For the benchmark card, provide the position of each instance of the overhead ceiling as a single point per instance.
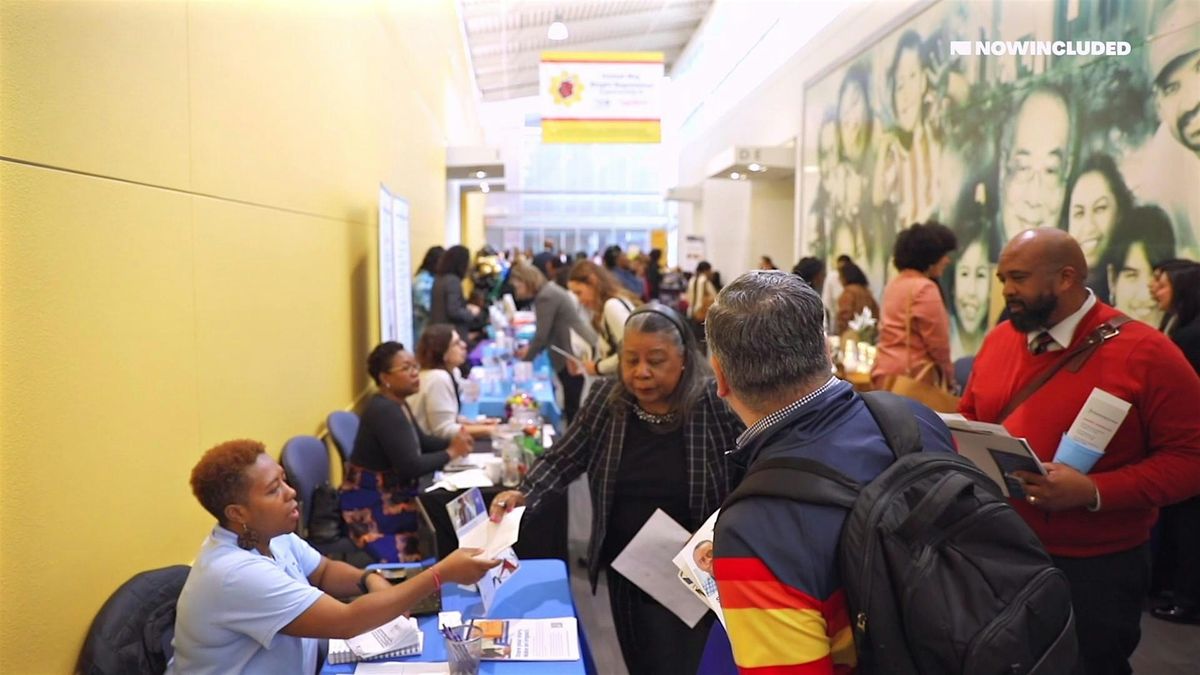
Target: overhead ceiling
(507, 37)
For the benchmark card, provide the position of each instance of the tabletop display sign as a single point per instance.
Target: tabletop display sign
(601, 97)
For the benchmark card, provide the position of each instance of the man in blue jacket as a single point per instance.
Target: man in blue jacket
(776, 560)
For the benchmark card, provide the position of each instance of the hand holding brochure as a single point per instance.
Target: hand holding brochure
(1093, 429)
(695, 563)
(475, 530)
(994, 451)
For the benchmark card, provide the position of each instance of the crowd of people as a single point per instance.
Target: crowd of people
(688, 396)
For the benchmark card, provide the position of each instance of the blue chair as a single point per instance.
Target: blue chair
(962, 370)
(343, 428)
(305, 459)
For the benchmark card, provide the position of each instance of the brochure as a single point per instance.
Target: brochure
(996, 452)
(399, 637)
(530, 639)
(475, 530)
(695, 563)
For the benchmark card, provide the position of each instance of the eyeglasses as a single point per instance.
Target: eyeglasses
(410, 367)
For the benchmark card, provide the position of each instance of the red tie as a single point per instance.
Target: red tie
(1041, 343)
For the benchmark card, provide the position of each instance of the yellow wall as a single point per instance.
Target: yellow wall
(187, 255)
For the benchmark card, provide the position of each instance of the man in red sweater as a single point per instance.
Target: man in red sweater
(1095, 525)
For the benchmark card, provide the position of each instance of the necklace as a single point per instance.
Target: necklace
(651, 418)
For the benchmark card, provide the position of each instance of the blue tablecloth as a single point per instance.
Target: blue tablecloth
(539, 590)
(492, 403)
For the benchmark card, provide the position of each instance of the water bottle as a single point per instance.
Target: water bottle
(512, 456)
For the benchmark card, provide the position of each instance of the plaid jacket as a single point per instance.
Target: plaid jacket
(593, 443)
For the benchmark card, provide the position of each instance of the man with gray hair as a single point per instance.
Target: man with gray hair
(782, 595)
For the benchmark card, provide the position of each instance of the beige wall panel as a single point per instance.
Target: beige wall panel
(98, 400)
(97, 87)
(281, 316)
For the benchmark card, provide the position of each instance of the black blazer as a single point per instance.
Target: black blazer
(447, 305)
(1188, 339)
(593, 443)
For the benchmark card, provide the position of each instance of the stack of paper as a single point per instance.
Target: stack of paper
(399, 637)
(994, 451)
(695, 564)
(530, 639)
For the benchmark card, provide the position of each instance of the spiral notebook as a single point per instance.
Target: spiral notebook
(340, 652)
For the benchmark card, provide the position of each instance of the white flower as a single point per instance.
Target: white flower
(863, 320)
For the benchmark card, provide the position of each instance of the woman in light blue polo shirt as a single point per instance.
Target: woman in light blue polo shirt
(256, 598)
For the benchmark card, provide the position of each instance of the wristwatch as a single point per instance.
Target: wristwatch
(362, 581)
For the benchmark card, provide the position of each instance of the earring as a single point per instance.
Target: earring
(248, 539)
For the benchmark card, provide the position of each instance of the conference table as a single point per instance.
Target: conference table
(538, 590)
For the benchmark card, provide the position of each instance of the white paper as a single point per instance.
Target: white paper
(496, 577)
(990, 445)
(402, 668)
(646, 563)
(694, 562)
(530, 639)
(1098, 421)
(470, 478)
(568, 356)
(396, 634)
(450, 619)
(475, 530)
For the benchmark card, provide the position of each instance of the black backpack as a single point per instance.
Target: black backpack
(941, 574)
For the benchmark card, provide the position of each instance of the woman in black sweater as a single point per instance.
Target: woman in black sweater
(391, 454)
(1176, 287)
(447, 302)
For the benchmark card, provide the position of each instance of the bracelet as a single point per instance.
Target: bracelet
(362, 581)
(437, 578)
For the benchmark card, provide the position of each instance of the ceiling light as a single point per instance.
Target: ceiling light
(756, 167)
(735, 175)
(483, 187)
(481, 174)
(558, 29)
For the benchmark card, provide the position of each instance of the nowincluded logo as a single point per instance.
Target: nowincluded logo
(1040, 48)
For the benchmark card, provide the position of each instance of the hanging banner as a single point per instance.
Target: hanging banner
(601, 97)
(395, 270)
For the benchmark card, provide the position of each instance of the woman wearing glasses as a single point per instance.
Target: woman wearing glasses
(391, 454)
(440, 352)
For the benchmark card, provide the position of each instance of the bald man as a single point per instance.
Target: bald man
(1034, 374)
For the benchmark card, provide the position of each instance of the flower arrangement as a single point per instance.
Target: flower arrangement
(865, 326)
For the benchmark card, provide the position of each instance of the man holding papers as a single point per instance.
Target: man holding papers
(1109, 406)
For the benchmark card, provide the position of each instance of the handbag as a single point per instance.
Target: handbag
(927, 386)
(934, 396)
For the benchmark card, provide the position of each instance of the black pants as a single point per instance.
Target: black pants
(572, 389)
(1107, 592)
(1177, 561)
(653, 640)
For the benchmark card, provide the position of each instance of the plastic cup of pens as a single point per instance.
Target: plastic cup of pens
(464, 648)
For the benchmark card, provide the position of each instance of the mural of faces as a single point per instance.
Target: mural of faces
(1105, 147)
(972, 288)
(1178, 100)
(1130, 286)
(1092, 214)
(853, 120)
(1034, 170)
(909, 91)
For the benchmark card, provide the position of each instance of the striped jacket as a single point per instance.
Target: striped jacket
(593, 443)
(776, 561)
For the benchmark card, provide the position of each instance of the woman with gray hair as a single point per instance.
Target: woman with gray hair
(653, 438)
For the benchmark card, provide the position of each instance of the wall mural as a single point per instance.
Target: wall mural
(1106, 147)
